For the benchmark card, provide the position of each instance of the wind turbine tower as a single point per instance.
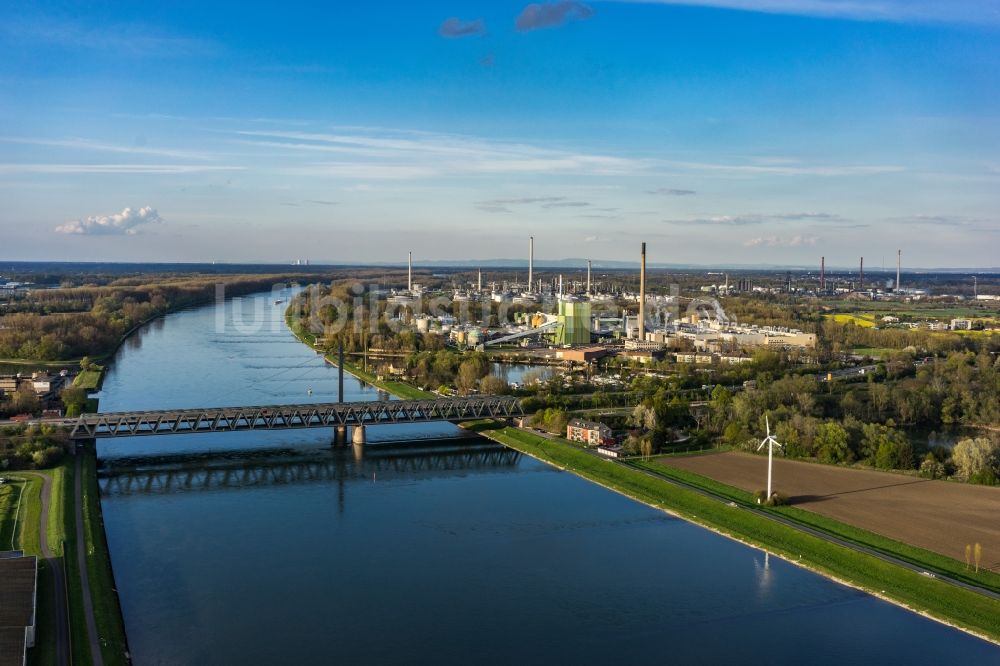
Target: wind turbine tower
(770, 442)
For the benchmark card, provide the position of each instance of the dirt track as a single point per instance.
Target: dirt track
(941, 516)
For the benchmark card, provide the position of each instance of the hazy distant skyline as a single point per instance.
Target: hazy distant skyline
(719, 131)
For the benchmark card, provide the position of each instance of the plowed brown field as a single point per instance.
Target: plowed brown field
(941, 516)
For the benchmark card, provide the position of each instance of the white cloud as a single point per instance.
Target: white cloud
(125, 223)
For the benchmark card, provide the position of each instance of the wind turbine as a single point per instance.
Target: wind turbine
(770, 442)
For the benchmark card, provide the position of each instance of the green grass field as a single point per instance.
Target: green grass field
(89, 379)
(958, 606)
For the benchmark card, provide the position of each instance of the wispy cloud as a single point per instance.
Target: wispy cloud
(407, 153)
(125, 223)
(821, 170)
(671, 192)
(132, 39)
(525, 200)
(566, 204)
(778, 241)
(900, 11)
(748, 219)
(551, 14)
(113, 168)
(98, 146)
(455, 27)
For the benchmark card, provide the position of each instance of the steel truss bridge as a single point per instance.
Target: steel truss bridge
(321, 469)
(278, 417)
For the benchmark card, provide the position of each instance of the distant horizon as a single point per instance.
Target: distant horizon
(539, 264)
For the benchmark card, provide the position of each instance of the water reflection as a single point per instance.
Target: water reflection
(279, 467)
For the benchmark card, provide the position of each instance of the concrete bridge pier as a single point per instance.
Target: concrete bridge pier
(358, 436)
(340, 436)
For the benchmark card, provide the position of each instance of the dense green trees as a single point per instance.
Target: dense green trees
(978, 459)
(61, 324)
(37, 446)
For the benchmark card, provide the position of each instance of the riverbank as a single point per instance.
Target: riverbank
(398, 389)
(957, 607)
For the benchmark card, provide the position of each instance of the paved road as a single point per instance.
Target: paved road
(81, 558)
(58, 575)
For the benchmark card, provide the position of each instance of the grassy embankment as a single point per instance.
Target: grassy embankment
(928, 560)
(107, 613)
(20, 527)
(963, 608)
(398, 389)
(61, 534)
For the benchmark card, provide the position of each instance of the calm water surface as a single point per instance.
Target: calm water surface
(273, 548)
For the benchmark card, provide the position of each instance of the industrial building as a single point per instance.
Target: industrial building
(574, 323)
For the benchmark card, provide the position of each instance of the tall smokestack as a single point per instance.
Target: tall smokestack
(588, 277)
(822, 273)
(861, 281)
(480, 279)
(531, 259)
(409, 271)
(899, 261)
(642, 294)
(560, 285)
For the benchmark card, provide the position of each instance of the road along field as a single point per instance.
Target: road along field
(940, 516)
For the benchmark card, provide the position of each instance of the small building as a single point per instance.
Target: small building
(18, 596)
(582, 354)
(611, 451)
(961, 324)
(590, 433)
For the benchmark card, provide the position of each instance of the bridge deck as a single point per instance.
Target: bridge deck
(277, 417)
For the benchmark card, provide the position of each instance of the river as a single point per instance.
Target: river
(274, 548)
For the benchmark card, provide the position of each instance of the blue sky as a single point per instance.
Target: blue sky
(719, 131)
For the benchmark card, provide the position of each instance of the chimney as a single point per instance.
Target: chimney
(899, 261)
(409, 272)
(588, 277)
(531, 260)
(822, 273)
(480, 279)
(861, 282)
(642, 294)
